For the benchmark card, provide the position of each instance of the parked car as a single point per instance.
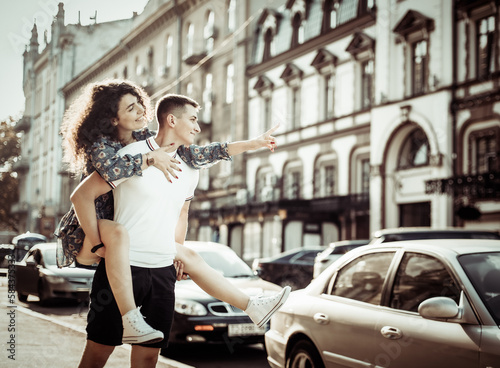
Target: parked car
(334, 251)
(200, 318)
(292, 268)
(37, 274)
(417, 233)
(24, 242)
(408, 304)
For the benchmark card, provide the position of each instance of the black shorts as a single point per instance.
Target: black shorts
(154, 292)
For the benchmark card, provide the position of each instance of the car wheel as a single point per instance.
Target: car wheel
(42, 292)
(22, 297)
(304, 355)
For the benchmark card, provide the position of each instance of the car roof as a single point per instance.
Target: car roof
(409, 230)
(457, 246)
(206, 245)
(347, 243)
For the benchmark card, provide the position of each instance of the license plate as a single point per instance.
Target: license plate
(245, 329)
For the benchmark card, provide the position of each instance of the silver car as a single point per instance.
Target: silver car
(419, 303)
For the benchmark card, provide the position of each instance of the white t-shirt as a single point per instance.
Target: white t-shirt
(149, 207)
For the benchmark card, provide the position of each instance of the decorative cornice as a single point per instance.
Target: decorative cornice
(413, 21)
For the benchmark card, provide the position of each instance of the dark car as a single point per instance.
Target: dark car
(37, 274)
(292, 268)
(200, 318)
(24, 242)
(334, 251)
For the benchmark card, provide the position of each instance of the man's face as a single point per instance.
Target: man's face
(187, 125)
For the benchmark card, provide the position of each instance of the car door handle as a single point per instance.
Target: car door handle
(321, 319)
(391, 333)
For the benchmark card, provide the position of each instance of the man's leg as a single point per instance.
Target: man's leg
(95, 355)
(143, 357)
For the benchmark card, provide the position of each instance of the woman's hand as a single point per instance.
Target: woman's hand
(165, 163)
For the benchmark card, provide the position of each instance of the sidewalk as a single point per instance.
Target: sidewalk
(41, 342)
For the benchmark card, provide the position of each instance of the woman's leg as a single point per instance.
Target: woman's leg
(115, 238)
(211, 281)
(119, 275)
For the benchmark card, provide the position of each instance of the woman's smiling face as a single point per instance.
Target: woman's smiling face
(130, 116)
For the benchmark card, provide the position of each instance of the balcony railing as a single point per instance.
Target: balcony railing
(479, 186)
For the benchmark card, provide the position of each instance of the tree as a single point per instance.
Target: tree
(10, 149)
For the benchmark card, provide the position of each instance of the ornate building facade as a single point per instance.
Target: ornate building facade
(388, 113)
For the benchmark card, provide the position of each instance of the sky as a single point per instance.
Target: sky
(16, 22)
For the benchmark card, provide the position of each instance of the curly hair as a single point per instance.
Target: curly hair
(90, 117)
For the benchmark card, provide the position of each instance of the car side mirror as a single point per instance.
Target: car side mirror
(439, 307)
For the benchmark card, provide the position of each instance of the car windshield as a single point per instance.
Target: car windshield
(227, 263)
(483, 269)
(49, 257)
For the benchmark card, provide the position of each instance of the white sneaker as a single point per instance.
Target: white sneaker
(136, 330)
(261, 308)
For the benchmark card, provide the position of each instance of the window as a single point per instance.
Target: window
(268, 112)
(189, 89)
(366, 83)
(365, 175)
(206, 112)
(150, 60)
(168, 51)
(297, 30)
(329, 96)
(414, 151)
(209, 32)
(325, 180)
(362, 279)
(419, 67)
(295, 107)
(264, 189)
(229, 83)
(268, 44)
(421, 277)
(231, 16)
(190, 40)
(484, 146)
(485, 52)
(415, 214)
(330, 11)
(292, 185)
(125, 73)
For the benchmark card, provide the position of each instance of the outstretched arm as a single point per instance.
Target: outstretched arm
(203, 157)
(83, 198)
(262, 141)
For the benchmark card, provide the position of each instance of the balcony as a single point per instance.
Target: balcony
(24, 124)
(475, 187)
(21, 166)
(19, 208)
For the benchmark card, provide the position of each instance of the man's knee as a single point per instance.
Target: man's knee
(95, 355)
(144, 357)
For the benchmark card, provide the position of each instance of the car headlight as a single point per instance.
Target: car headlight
(55, 279)
(190, 307)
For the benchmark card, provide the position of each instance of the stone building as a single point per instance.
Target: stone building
(44, 193)
(388, 113)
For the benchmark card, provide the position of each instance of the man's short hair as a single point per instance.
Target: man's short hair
(173, 104)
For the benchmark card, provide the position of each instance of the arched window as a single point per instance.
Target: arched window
(190, 40)
(414, 151)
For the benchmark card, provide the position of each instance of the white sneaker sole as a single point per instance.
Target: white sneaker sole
(151, 338)
(282, 300)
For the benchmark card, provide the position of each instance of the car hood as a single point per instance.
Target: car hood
(250, 286)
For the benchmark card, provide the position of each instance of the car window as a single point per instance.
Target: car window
(483, 271)
(306, 256)
(362, 279)
(421, 277)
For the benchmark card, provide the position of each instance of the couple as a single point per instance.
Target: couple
(150, 216)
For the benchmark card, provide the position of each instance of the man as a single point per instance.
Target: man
(155, 214)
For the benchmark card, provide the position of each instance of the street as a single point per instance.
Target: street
(72, 316)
